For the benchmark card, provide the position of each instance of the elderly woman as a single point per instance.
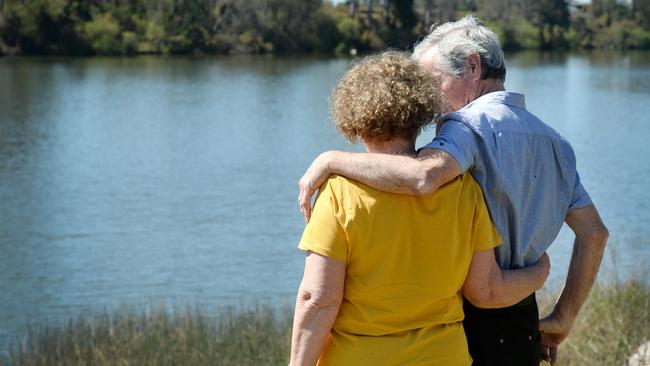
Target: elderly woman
(384, 273)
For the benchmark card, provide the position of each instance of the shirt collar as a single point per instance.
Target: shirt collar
(504, 97)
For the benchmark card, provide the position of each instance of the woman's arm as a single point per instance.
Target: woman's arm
(317, 305)
(488, 286)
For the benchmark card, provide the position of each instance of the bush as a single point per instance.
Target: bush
(527, 35)
(150, 36)
(327, 34)
(129, 43)
(350, 29)
(517, 35)
(103, 34)
(638, 37)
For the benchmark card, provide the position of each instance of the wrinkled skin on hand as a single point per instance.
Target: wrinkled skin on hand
(554, 331)
(313, 178)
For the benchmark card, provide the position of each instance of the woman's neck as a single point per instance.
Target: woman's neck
(394, 146)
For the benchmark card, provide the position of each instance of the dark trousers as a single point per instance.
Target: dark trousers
(504, 337)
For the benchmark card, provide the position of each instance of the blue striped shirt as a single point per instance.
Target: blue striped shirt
(526, 169)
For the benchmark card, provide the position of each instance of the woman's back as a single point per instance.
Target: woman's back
(406, 260)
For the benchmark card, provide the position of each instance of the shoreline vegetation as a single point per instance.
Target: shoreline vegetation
(134, 27)
(613, 323)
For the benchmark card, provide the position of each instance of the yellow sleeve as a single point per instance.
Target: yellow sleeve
(485, 234)
(324, 234)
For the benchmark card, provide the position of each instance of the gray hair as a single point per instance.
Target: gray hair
(457, 40)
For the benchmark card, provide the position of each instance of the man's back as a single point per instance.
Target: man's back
(526, 169)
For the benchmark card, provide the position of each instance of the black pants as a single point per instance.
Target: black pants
(504, 337)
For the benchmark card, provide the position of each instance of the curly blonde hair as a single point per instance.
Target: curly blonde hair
(384, 96)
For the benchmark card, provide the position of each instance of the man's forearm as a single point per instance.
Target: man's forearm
(588, 248)
(395, 173)
(389, 173)
(583, 269)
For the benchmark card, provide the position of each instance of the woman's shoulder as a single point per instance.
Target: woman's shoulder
(352, 194)
(463, 185)
(346, 186)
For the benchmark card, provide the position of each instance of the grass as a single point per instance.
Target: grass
(613, 323)
(251, 336)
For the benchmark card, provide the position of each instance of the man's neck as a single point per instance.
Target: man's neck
(394, 146)
(488, 86)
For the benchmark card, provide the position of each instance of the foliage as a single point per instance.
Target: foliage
(517, 34)
(103, 34)
(83, 27)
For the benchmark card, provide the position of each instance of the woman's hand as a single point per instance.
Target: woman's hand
(545, 265)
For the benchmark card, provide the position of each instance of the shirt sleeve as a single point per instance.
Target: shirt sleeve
(457, 140)
(580, 197)
(484, 234)
(324, 234)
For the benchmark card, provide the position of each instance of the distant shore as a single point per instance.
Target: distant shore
(74, 27)
(613, 323)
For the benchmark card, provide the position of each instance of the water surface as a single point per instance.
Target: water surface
(135, 181)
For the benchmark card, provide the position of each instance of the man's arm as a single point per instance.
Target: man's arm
(488, 286)
(319, 298)
(591, 238)
(390, 173)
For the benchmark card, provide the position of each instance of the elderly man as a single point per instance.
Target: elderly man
(528, 175)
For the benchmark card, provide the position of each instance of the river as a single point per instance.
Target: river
(140, 180)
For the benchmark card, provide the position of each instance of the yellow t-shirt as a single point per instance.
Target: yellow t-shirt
(406, 260)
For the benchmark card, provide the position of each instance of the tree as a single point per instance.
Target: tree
(547, 15)
(288, 23)
(354, 8)
(188, 26)
(641, 10)
(447, 10)
(428, 14)
(402, 11)
(492, 10)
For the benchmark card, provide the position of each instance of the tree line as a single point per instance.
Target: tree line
(118, 27)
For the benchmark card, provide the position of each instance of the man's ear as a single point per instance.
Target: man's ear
(475, 67)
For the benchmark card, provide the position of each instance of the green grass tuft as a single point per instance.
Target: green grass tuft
(613, 323)
(252, 336)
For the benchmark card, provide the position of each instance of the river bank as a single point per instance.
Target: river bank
(613, 323)
(74, 27)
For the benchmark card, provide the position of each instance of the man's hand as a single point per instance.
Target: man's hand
(591, 238)
(399, 174)
(310, 182)
(554, 330)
